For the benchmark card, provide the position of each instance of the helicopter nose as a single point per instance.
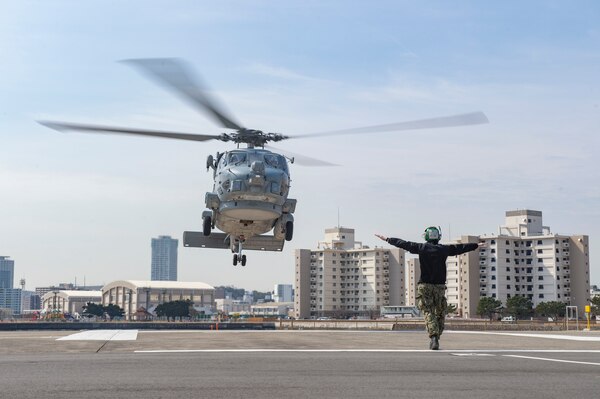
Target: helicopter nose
(257, 178)
(258, 167)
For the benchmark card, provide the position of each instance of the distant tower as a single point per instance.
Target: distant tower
(7, 272)
(164, 258)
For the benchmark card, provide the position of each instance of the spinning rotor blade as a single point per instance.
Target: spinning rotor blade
(474, 118)
(61, 127)
(301, 159)
(174, 74)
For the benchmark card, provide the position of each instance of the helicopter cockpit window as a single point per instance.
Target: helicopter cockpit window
(274, 161)
(236, 157)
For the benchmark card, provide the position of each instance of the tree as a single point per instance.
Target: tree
(258, 296)
(596, 305)
(553, 309)
(94, 309)
(488, 306)
(113, 310)
(519, 306)
(450, 308)
(174, 309)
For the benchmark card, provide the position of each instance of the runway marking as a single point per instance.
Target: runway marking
(102, 335)
(472, 354)
(553, 360)
(451, 351)
(595, 338)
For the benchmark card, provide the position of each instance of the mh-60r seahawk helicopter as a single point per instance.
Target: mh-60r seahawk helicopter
(251, 184)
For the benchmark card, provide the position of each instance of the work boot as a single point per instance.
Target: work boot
(434, 344)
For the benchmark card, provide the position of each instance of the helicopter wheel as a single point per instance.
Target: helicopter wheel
(289, 231)
(206, 225)
(243, 260)
(235, 259)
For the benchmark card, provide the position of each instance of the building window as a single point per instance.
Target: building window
(541, 296)
(508, 287)
(540, 287)
(540, 277)
(493, 286)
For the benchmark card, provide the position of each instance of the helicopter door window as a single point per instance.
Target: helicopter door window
(236, 157)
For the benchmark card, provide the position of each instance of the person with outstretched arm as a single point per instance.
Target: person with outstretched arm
(431, 288)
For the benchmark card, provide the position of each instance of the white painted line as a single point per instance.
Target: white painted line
(472, 354)
(451, 351)
(595, 338)
(102, 335)
(553, 360)
(232, 331)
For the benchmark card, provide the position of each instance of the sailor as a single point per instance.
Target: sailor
(431, 288)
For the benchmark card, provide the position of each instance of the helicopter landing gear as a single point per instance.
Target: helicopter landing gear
(239, 257)
(206, 225)
(289, 230)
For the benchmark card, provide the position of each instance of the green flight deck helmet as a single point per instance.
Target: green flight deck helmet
(432, 234)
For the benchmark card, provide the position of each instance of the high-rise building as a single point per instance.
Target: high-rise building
(342, 277)
(525, 258)
(413, 274)
(283, 293)
(164, 259)
(7, 272)
(10, 298)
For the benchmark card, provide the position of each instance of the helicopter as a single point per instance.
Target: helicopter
(251, 184)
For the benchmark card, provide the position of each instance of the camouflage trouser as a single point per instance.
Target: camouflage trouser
(431, 300)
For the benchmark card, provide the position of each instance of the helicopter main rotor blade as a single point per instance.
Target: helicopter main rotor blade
(474, 118)
(62, 127)
(175, 75)
(301, 159)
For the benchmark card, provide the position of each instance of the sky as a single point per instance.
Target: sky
(84, 206)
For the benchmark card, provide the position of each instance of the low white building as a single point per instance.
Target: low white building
(229, 306)
(272, 309)
(136, 295)
(69, 301)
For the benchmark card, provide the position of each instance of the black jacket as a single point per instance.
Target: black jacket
(432, 257)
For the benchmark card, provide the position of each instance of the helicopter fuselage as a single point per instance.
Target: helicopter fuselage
(250, 193)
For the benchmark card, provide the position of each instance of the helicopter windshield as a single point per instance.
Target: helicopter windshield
(236, 157)
(275, 161)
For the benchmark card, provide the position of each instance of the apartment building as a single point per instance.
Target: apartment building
(525, 258)
(413, 274)
(462, 280)
(343, 278)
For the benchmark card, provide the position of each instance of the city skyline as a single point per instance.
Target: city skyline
(409, 261)
(76, 205)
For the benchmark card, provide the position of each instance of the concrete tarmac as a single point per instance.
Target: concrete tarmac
(297, 364)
